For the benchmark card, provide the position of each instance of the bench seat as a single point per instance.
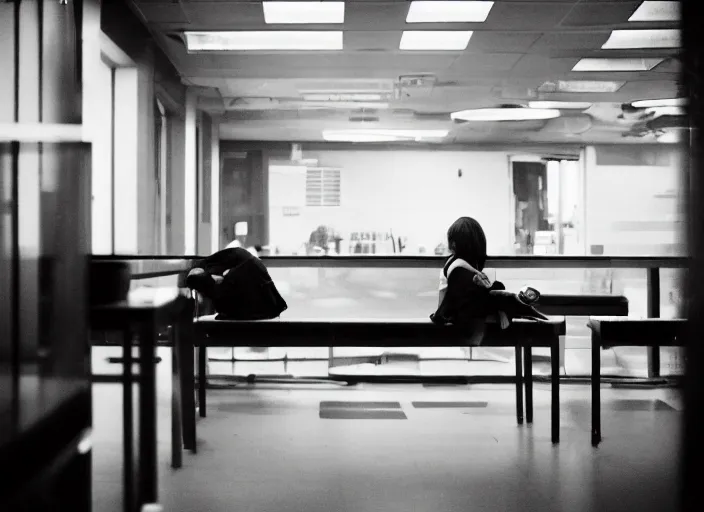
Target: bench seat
(583, 305)
(377, 332)
(209, 331)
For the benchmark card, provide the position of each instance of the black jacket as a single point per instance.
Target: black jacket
(247, 291)
(469, 298)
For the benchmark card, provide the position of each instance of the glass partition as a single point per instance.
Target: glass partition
(354, 290)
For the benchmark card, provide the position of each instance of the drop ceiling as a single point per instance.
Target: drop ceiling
(259, 95)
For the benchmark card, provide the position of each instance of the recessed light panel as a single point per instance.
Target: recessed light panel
(668, 102)
(657, 11)
(449, 11)
(581, 86)
(616, 64)
(342, 96)
(505, 114)
(303, 12)
(564, 105)
(435, 40)
(381, 135)
(264, 40)
(633, 39)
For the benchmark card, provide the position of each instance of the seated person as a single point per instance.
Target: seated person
(467, 297)
(239, 285)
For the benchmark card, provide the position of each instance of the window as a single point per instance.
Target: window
(322, 187)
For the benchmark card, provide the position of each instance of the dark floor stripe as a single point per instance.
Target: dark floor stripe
(361, 414)
(359, 405)
(448, 405)
(638, 405)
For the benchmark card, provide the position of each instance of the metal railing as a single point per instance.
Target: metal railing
(151, 266)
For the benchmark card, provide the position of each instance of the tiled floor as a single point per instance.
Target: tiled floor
(270, 449)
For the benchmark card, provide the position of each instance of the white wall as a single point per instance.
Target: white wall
(418, 194)
(635, 210)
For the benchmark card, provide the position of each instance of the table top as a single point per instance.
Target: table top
(638, 332)
(155, 305)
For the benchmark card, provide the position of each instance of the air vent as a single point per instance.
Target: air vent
(322, 186)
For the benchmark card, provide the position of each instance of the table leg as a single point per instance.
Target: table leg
(519, 386)
(148, 480)
(202, 378)
(127, 423)
(596, 390)
(185, 343)
(528, 364)
(176, 411)
(555, 388)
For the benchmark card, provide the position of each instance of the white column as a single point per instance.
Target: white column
(553, 184)
(215, 187)
(191, 175)
(126, 160)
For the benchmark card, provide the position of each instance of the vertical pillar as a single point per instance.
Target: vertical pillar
(29, 177)
(215, 186)
(190, 175)
(126, 161)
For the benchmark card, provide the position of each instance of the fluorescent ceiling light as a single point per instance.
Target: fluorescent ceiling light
(343, 104)
(581, 86)
(505, 114)
(670, 102)
(633, 64)
(629, 39)
(357, 137)
(263, 40)
(304, 12)
(435, 40)
(345, 96)
(657, 11)
(565, 105)
(449, 12)
(381, 135)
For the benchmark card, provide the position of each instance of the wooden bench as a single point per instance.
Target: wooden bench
(209, 332)
(627, 332)
(583, 305)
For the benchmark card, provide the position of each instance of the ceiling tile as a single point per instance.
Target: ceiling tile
(526, 16)
(225, 15)
(163, 12)
(600, 14)
(557, 41)
(533, 65)
(373, 16)
(475, 65)
(372, 40)
(493, 41)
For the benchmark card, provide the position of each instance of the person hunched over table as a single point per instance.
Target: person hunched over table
(467, 297)
(238, 284)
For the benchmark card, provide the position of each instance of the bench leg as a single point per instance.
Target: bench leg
(128, 477)
(519, 386)
(185, 344)
(528, 364)
(596, 391)
(176, 411)
(555, 388)
(202, 378)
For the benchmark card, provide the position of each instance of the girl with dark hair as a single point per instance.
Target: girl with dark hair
(467, 296)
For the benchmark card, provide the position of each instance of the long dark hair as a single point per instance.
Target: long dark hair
(466, 240)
